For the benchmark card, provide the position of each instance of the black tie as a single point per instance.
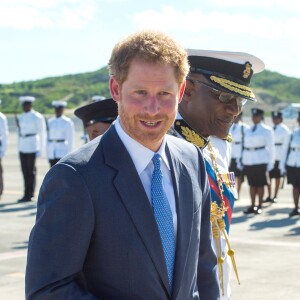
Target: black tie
(254, 128)
(274, 127)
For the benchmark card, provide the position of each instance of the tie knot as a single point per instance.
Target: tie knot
(156, 160)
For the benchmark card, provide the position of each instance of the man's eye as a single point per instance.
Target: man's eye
(141, 92)
(164, 93)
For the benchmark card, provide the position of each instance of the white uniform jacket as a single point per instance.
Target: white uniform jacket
(281, 136)
(259, 146)
(60, 137)
(3, 134)
(32, 132)
(237, 132)
(291, 152)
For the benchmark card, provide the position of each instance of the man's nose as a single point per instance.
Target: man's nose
(152, 105)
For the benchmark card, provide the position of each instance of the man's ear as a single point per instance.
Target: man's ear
(187, 92)
(115, 88)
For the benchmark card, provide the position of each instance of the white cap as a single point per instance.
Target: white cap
(59, 103)
(26, 99)
(97, 98)
(228, 71)
(233, 57)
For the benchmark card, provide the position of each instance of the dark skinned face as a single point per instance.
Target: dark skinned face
(59, 111)
(27, 106)
(204, 112)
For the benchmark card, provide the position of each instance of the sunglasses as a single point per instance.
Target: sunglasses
(223, 97)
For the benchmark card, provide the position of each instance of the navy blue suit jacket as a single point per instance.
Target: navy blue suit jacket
(96, 237)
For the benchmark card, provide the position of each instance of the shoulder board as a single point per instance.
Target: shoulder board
(228, 138)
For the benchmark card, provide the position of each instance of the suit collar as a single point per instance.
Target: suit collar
(184, 207)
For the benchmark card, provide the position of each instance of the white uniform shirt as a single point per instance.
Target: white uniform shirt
(262, 137)
(281, 135)
(293, 146)
(60, 137)
(33, 125)
(222, 151)
(237, 131)
(3, 134)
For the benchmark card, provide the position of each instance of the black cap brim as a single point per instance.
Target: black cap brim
(105, 111)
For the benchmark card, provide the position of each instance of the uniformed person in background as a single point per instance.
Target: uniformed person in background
(237, 132)
(281, 135)
(217, 87)
(3, 145)
(97, 116)
(31, 144)
(290, 164)
(258, 158)
(60, 134)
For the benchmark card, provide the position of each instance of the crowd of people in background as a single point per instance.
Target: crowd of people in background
(266, 155)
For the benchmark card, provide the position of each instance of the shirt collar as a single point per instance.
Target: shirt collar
(140, 154)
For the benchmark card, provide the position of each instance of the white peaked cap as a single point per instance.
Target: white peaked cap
(27, 99)
(59, 103)
(233, 57)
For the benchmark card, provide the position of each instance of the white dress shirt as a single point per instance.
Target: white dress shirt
(142, 159)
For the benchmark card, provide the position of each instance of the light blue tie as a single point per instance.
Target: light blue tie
(163, 216)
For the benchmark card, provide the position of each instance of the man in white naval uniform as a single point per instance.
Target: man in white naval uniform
(281, 136)
(237, 132)
(3, 145)
(258, 158)
(216, 90)
(60, 134)
(32, 138)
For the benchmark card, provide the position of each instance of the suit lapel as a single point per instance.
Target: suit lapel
(184, 207)
(132, 193)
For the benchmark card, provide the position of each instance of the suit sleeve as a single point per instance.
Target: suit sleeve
(60, 238)
(207, 265)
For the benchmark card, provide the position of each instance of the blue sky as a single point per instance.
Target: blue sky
(44, 38)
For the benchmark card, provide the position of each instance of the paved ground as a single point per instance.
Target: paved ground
(267, 246)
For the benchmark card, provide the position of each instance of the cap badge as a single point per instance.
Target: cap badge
(247, 70)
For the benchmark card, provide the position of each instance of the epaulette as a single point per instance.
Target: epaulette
(228, 138)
